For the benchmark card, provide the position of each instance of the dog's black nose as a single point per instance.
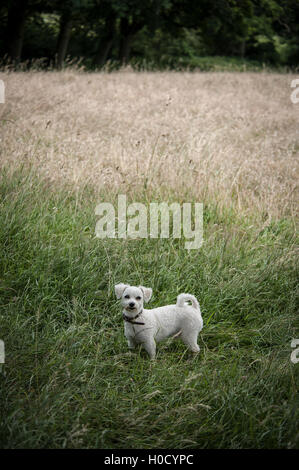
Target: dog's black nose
(131, 304)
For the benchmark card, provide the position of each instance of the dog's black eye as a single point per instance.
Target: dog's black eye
(138, 298)
(127, 296)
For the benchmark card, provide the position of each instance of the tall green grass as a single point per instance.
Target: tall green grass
(69, 380)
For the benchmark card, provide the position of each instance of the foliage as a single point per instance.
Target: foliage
(168, 33)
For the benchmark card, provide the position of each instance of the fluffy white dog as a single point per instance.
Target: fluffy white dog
(145, 327)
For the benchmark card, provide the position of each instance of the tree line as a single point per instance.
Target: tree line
(163, 33)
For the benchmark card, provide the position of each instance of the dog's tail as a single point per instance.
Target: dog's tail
(183, 298)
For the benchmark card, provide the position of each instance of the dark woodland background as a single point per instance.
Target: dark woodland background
(150, 34)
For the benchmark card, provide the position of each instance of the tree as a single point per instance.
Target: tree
(70, 11)
(105, 24)
(123, 19)
(105, 42)
(17, 13)
(65, 29)
(286, 25)
(165, 32)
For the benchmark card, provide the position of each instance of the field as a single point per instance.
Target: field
(70, 140)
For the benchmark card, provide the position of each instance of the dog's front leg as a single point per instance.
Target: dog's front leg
(131, 342)
(150, 347)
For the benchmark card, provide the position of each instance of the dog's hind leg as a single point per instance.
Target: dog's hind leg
(190, 340)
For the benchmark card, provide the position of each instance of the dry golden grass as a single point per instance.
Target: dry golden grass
(233, 137)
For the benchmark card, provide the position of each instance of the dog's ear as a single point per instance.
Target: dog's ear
(119, 288)
(147, 293)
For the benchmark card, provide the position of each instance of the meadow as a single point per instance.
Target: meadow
(70, 140)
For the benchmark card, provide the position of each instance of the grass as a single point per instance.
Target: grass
(68, 379)
(141, 64)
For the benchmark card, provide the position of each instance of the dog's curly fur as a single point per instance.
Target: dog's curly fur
(147, 327)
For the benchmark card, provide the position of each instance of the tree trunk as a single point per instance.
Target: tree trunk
(125, 48)
(63, 38)
(105, 43)
(102, 54)
(15, 29)
(128, 32)
(243, 48)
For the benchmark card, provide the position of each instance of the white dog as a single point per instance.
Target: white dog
(145, 327)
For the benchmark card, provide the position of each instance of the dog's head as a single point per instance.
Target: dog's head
(132, 297)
